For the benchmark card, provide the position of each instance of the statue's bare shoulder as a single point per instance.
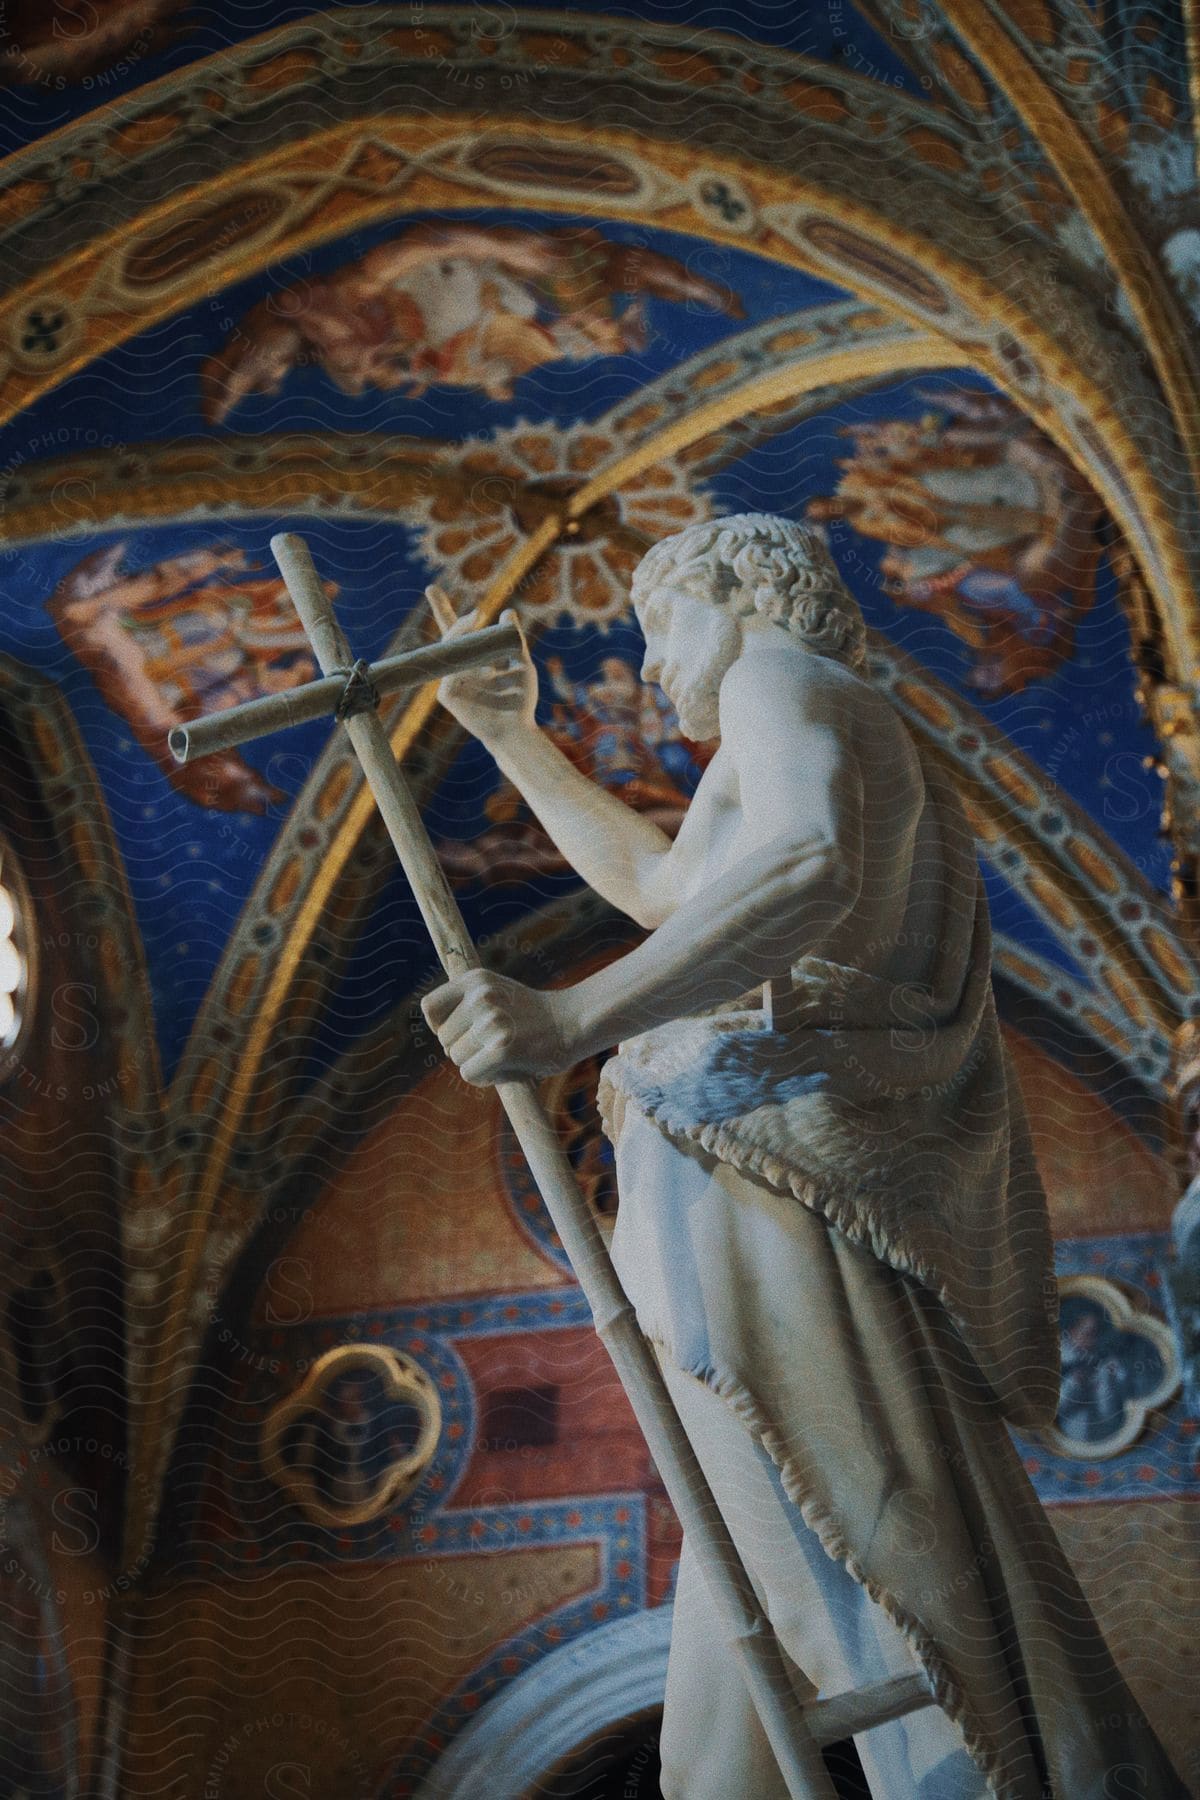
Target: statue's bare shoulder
(821, 760)
(783, 683)
(805, 715)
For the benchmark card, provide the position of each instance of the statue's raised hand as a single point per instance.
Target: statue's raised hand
(495, 702)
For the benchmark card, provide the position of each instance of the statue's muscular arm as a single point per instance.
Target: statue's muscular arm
(792, 872)
(624, 857)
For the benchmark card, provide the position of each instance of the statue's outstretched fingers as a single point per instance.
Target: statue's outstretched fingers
(441, 606)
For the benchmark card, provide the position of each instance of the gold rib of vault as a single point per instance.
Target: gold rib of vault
(1131, 491)
(1062, 883)
(394, 478)
(1084, 174)
(854, 362)
(1191, 30)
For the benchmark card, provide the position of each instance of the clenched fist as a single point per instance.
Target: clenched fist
(495, 1029)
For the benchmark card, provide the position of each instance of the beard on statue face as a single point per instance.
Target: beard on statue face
(690, 645)
(696, 704)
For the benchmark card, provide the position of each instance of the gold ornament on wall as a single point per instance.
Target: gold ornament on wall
(1119, 1362)
(356, 1437)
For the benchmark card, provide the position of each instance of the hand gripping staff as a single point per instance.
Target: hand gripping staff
(352, 690)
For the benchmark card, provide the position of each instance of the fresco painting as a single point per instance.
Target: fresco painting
(455, 305)
(309, 1182)
(177, 639)
(988, 526)
(1120, 1365)
(1103, 1369)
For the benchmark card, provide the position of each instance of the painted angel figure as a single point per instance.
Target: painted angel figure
(1094, 1384)
(454, 305)
(829, 1223)
(180, 638)
(987, 524)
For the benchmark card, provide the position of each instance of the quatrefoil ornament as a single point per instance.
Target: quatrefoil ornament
(44, 331)
(1118, 1364)
(356, 1437)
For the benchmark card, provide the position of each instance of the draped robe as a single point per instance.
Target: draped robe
(878, 1361)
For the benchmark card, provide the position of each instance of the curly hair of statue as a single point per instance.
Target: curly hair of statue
(757, 562)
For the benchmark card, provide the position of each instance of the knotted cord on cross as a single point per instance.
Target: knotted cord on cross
(359, 694)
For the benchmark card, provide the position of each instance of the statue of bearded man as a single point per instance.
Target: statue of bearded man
(830, 1225)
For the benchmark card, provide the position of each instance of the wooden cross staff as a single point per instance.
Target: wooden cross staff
(351, 690)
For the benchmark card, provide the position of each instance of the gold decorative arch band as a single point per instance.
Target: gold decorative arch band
(1191, 28)
(1147, 1056)
(1083, 172)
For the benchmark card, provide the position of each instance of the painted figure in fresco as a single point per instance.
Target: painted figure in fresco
(616, 730)
(455, 305)
(187, 636)
(1094, 1383)
(987, 524)
(1106, 1372)
(829, 1225)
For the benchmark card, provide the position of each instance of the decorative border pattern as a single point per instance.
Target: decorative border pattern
(570, 1698)
(246, 81)
(617, 1524)
(1016, 66)
(426, 1525)
(226, 477)
(1147, 1054)
(422, 1522)
(1125, 908)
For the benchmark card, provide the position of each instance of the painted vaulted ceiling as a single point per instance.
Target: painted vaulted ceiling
(499, 297)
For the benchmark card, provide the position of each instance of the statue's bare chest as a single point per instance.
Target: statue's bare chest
(707, 842)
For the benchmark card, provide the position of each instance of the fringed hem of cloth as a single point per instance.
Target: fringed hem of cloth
(838, 1203)
(945, 1685)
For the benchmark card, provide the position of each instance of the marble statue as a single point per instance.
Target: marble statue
(830, 1224)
